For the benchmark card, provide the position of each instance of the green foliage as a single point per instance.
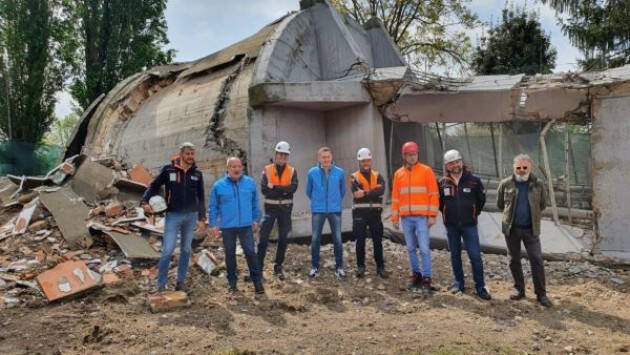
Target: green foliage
(516, 45)
(61, 130)
(600, 29)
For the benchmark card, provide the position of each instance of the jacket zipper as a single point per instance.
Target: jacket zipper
(326, 194)
(238, 201)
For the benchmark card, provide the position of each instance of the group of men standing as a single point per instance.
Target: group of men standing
(417, 196)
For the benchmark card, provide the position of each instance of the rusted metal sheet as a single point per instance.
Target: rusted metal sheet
(67, 279)
(69, 213)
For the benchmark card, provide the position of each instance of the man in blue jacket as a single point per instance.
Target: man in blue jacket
(325, 188)
(234, 214)
(185, 206)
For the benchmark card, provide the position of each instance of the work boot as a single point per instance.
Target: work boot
(426, 285)
(545, 301)
(181, 287)
(382, 273)
(313, 272)
(232, 287)
(455, 289)
(483, 294)
(360, 271)
(258, 288)
(517, 295)
(277, 272)
(415, 281)
(341, 274)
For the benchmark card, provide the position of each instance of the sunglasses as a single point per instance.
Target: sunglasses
(521, 168)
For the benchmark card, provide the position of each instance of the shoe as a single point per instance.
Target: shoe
(341, 275)
(517, 295)
(545, 301)
(181, 287)
(382, 273)
(232, 287)
(360, 271)
(426, 285)
(258, 288)
(313, 272)
(456, 290)
(483, 294)
(415, 281)
(247, 278)
(278, 273)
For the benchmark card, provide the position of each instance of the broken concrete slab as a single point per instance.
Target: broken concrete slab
(7, 191)
(69, 212)
(68, 279)
(132, 245)
(93, 181)
(169, 300)
(157, 228)
(28, 182)
(206, 261)
(25, 216)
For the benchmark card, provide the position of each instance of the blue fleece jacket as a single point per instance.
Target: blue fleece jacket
(326, 190)
(233, 203)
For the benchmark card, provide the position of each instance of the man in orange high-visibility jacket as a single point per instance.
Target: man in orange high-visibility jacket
(415, 204)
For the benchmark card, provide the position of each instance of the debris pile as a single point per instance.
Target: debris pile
(79, 229)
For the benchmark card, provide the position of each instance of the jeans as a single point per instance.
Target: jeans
(534, 254)
(176, 222)
(470, 236)
(362, 219)
(416, 231)
(334, 221)
(283, 216)
(246, 236)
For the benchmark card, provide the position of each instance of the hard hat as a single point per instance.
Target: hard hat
(157, 204)
(283, 147)
(451, 156)
(410, 147)
(186, 145)
(364, 154)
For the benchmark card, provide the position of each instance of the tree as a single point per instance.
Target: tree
(600, 29)
(61, 130)
(516, 45)
(34, 52)
(428, 32)
(119, 38)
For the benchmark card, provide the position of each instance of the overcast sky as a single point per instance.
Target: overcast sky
(197, 28)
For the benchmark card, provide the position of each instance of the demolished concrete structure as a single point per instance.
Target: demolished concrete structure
(315, 78)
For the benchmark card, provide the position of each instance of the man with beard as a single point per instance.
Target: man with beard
(522, 198)
(462, 197)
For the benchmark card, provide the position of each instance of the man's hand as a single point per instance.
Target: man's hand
(255, 227)
(396, 225)
(431, 222)
(270, 185)
(359, 193)
(147, 208)
(215, 232)
(201, 226)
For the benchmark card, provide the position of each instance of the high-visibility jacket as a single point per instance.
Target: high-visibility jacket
(415, 192)
(283, 180)
(374, 193)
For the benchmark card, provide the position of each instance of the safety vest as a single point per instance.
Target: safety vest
(415, 192)
(284, 180)
(366, 186)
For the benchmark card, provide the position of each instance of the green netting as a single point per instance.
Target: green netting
(19, 158)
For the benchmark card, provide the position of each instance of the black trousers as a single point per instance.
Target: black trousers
(534, 254)
(362, 219)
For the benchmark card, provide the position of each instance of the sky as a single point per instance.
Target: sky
(197, 28)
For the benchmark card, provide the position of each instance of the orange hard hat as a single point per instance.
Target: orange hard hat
(410, 147)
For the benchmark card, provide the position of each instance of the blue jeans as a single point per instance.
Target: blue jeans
(176, 222)
(283, 216)
(317, 222)
(416, 231)
(246, 236)
(471, 242)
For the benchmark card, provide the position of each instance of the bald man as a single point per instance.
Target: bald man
(233, 214)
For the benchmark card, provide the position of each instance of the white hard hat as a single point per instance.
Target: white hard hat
(186, 145)
(283, 147)
(451, 156)
(157, 204)
(363, 154)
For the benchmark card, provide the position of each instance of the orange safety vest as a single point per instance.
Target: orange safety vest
(415, 192)
(367, 186)
(284, 180)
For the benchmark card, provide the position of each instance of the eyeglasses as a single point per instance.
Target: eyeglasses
(521, 168)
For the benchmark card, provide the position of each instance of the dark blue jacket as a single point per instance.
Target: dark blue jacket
(326, 190)
(461, 203)
(233, 203)
(184, 190)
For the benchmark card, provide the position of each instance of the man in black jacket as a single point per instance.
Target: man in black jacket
(278, 184)
(367, 187)
(185, 208)
(462, 197)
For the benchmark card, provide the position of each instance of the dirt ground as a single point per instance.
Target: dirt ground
(325, 316)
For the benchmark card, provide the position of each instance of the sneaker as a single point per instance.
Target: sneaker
(483, 294)
(341, 275)
(517, 295)
(382, 273)
(313, 272)
(258, 288)
(181, 287)
(456, 290)
(415, 281)
(277, 272)
(360, 271)
(545, 301)
(232, 287)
